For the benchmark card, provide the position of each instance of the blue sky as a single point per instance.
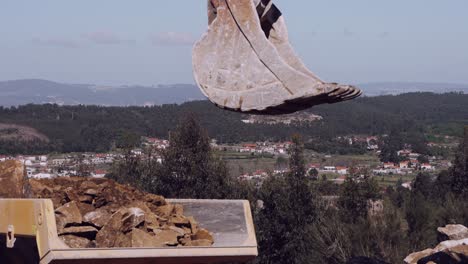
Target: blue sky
(123, 42)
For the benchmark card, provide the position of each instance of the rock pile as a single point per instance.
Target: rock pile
(101, 213)
(13, 181)
(454, 248)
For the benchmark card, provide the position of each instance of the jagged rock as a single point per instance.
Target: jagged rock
(179, 220)
(456, 255)
(132, 217)
(453, 232)
(451, 244)
(113, 207)
(100, 202)
(98, 218)
(165, 210)
(166, 237)
(86, 199)
(442, 258)
(193, 224)
(85, 208)
(103, 185)
(200, 243)
(461, 250)
(13, 181)
(450, 251)
(71, 194)
(104, 198)
(152, 228)
(415, 257)
(181, 232)
(142, 205)
(81, 231)
(187, 230)
(39, 189)
(155, 199)
(178, 209)
(203, 234)
(76, 241)
(91, 192)
(68, 214)
(139, 238)
(123, 241)
(106, 237)
(101, 213)
(88, 185)
(152, 221)
(185, 240)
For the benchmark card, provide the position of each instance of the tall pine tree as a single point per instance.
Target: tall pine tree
(285, 220)
(460, 169)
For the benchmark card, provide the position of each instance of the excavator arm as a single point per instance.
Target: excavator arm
(245, 62)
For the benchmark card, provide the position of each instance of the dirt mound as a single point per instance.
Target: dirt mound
(20, 133)
(101, 213)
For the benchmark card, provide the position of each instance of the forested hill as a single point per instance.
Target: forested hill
(94, 128)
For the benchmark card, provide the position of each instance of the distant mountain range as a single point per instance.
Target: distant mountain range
(20, 92)
(394, 88)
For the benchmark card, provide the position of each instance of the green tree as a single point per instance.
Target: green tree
(460, 169)
(128, 140)
(400, 194)
(421, 225)
(189, 168)
(455, 180)
(382, 236)
(302, 195)
(357, 190)
(138, 171)
(423, 184)
(423, 159)
(281, 163)
(451, 212)
(285, 219)
(390, 146)
(313, 173)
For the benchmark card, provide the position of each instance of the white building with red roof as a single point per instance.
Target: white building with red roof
(342, 170)
(427, 167)
(404, 165)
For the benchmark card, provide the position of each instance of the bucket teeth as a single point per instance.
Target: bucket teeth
(246, 57)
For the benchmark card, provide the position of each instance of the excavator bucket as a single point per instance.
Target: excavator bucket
(28, 234)
(245, 62)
